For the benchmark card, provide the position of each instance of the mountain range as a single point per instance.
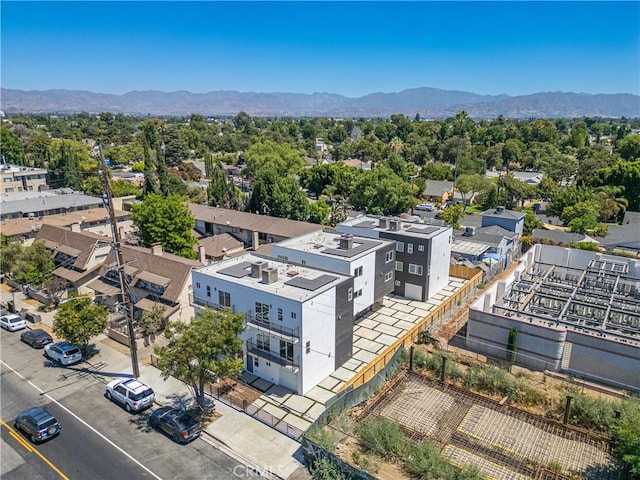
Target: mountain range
(425, 101)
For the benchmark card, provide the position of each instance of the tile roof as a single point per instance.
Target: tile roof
(280, 227)
(143, 262)
(74, 244)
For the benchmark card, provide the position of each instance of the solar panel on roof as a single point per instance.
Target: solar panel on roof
(311, 284)
(237, 271)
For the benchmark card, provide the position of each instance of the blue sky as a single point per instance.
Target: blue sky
(349, 48)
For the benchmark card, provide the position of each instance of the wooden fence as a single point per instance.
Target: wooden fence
(474, 277)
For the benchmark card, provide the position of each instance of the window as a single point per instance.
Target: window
(224, 299)
(399, 266)
(421, 248)
(415, 269)
(358, 271)
(388, 256)
(197, 284)
(286, 350)
(262, 341)
(388, 276)
(409, 247)
(262, 311)
(280, 314)
(294, 315)
(256, 361)
(208, 290)
(350, 294)
(303, 262)
(358, 293)
(308, 347)
(398, 283)
(399, 246)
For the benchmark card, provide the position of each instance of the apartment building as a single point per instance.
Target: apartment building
(298, 319)
(422, 253)
(370, 262)
(22, 179)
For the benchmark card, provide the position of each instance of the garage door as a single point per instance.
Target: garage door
(414, 292)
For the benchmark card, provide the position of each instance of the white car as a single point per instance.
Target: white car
(426, 207)
(132, 394)
(63, 352)
(12, 322)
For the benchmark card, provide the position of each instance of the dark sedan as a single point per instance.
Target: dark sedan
(37, 338)
(178, 424)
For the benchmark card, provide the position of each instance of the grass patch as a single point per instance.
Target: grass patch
(322, 437)
(383, 437)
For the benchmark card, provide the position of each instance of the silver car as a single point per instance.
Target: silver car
(63, 352)
(12, 322)
(132, 394)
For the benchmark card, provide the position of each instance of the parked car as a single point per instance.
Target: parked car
(63, 352)
(132, 394)
(12, 322)
(38, 424)
(178, 424)
(37, 338)
(426, 207)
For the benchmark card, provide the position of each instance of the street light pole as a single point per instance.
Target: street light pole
(117, 246)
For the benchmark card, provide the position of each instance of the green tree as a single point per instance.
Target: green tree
(283, 158)
(629, 147)
(208, 345)
(319, 212)
(152, 321)
(10, 147)
(221, 191)
(453, 214)
(512, 345)
(381, 192)
(625, 175)
(10, 252)
(78, 319)
(531, 222)
(471, 185)
(122, 188)
(34, 266)
(167, 221)
(626, 433)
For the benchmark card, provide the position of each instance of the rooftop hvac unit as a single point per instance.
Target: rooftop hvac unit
(269, 275)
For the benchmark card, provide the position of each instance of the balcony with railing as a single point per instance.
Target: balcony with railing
(291, 364)
(275, 329)
(203, 303)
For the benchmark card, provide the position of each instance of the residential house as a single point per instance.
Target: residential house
(491, 245)
(299, 319)
(40, 204)
(78, 256)
(154, 278)
(14, 178)
(530, 178)
(219, 247)
(510, 220)
(422, 255)
(250, 228)
(370, 262)
(438, 191)
(95, 220)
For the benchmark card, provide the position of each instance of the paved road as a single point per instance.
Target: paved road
(99, 439)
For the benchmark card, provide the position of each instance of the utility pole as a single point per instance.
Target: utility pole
(117, 246)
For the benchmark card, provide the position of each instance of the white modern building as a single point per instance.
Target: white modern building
(422, 256)
(299, 319)
(370, 262)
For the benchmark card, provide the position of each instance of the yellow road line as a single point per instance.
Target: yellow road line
(22, 441)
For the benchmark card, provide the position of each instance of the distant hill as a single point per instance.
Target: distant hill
(428, 102)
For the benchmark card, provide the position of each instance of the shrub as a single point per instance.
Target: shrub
(323, 438)
(382, 436)
(324, 469)
(590, 412)
(364, 462)
(424, 461)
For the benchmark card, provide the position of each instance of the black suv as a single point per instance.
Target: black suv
(38, 424)
(178, 424)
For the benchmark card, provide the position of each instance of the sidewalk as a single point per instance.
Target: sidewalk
(235, 433)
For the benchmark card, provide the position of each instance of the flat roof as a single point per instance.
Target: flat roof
(327, 243)
(294, 282)
(408, 226)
